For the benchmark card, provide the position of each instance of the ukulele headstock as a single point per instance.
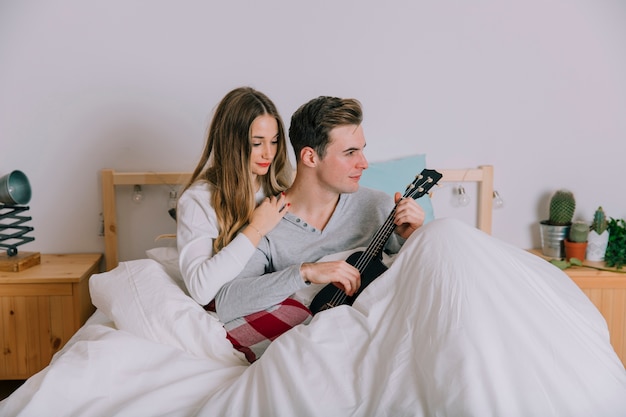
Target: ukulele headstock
(422, 183)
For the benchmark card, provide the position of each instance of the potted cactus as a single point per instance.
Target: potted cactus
(554, 230)
(598, 236)
(576, 242)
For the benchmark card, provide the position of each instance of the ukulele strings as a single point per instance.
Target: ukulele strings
(378, 241)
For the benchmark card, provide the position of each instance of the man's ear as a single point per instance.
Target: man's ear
(308, 156)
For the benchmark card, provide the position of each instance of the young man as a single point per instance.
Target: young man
(329, 213)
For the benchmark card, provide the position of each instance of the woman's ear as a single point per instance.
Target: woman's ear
(308, 156)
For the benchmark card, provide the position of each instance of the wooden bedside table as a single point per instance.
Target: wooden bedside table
(607, 290)
(41, 308)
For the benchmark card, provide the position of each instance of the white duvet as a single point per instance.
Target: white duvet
(462, 324)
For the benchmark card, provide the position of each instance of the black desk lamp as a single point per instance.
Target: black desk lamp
(15, 192)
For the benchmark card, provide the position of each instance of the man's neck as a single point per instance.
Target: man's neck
(312, 203)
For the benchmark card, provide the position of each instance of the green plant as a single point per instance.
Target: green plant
(563, 264)
(562, 206)
(599, 224)
(615, 255)
(578, 232)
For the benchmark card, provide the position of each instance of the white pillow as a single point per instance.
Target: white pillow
(168, 257)
(140, 297)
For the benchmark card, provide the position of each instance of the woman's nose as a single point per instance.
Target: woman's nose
(268, 151)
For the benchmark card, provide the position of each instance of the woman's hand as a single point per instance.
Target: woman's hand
(265, 217)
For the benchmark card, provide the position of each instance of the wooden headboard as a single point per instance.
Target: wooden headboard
(482, 176)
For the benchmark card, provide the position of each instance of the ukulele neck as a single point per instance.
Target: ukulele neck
(378, 242)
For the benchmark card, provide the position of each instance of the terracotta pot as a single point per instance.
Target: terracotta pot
(575, 249)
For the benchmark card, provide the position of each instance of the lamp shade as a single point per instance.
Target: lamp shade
(15, 189)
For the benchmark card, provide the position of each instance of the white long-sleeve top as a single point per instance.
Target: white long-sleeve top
(203, 270)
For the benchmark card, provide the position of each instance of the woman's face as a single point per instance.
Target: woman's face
(264, 144)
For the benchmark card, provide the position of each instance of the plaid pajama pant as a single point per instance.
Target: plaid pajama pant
(252, 334)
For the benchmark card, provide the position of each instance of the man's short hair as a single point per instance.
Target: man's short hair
(312, 122)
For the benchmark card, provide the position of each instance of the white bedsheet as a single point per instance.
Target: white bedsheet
(461, 325)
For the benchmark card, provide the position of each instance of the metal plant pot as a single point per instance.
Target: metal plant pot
(552, 238)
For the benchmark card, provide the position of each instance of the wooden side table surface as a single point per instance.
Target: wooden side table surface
(54, 268)
(41, 308)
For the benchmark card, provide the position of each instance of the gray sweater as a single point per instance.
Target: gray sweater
(273, 272)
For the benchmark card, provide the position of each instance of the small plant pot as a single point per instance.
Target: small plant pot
(596, 247)
(575, 250)
(552, 238)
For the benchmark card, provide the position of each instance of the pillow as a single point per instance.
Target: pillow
(168, 257)
(394, 175)
(141, 298)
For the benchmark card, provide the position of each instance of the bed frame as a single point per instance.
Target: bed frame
(482, 176)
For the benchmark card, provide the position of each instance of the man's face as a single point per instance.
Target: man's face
(341, 168)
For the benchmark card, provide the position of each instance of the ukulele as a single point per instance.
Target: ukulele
(369, 262)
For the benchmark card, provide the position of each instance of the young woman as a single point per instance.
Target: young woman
(235, 194)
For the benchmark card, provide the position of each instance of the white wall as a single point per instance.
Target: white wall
(536, 88)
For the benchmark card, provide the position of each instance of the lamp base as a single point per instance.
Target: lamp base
(19, 262)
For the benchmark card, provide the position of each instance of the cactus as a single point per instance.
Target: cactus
(599, 223)
(562, 206)
(578, 232)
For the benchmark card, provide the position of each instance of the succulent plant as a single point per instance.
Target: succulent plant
(578, 232)
(599, 224)
(562, 206)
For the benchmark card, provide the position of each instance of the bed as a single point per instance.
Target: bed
(461, 324)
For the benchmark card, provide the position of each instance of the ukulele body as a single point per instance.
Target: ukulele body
(332, 296)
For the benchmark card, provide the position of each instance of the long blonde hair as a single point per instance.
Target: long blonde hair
(225, 161)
